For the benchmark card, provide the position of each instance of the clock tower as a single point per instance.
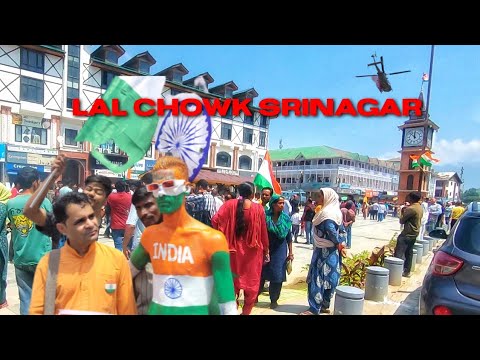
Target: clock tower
(417, 136)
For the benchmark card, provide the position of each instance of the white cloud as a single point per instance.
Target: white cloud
(456, 151)
(389, 155)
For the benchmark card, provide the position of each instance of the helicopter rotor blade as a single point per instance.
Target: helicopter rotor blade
(364, 75)
(399, 72)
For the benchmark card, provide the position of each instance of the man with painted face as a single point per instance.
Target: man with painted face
(190, 260)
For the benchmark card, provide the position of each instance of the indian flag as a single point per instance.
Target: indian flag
(133, 134)
(265, 176)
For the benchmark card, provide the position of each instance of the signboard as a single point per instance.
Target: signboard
(13, 168)
(17, 157)
(116, 159)
(32, 150)
(139, 166)
(28, 158)
(108, 173)
(31, 121)
(344, 186)
(228, 172)
(2, 152)
(149, 164)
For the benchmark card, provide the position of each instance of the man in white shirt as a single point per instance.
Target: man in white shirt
(435, 210)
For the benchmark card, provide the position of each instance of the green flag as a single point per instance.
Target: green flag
(133, 134)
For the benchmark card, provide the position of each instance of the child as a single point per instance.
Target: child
(295, 223)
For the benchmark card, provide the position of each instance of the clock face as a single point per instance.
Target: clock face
(413, 137)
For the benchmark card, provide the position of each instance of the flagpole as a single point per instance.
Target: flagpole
(430, 80)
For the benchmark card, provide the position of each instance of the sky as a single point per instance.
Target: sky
(328, 71)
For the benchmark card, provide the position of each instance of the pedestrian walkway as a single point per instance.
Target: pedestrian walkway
(366, 235)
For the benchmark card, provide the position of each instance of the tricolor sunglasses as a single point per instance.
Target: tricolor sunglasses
(167, 187)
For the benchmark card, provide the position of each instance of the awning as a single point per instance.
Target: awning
(218, 178)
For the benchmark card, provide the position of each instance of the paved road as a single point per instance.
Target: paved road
(366, 235)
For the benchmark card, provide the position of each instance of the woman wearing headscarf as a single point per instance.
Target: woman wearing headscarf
(4, 196)
(280, 239)
(324, 272)
(243, 223)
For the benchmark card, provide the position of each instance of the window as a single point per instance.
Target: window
(467, 235)
(224, 159)
(111, 56)
(73, 68)
(70, 136)
(248, 119)
(228, 93)
(229, 114)
(107, 78)
(263, 121)
(74, 50)
(31, 90)
(410, 182)
(226, 132)
(260, 160)
(72, 94)
(245, 163)
(143, 66)
(177, 76)
(263, 137)
(248, 136)
(31, 60)
(30, 135)
(328, 161)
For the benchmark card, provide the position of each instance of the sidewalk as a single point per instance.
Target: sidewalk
(366, 234)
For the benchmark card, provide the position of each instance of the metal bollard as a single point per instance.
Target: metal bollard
(414, 260)
(395, 266)
(348, 300)
(426, 245)
(419, 248)
(376, 283)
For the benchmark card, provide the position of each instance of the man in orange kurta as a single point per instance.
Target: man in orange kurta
(92, 278)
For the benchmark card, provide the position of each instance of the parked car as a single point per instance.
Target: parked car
(302, 196)
(452, 283)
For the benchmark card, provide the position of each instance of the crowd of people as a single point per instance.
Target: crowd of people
(179, 248)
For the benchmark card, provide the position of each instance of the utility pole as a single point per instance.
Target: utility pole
(432, 52)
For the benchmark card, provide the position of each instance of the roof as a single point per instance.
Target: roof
(317, 152)
(246, 93)
(214, 177)
(229, 84)
(448, 175)
(206, 76)
(117, 48)
(145, 55)
(178, 66)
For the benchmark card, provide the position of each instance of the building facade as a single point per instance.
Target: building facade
(39, 83)
(311, 168)
(447, 186)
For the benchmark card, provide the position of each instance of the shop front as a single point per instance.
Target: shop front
(76, 170)
(2, 163)
(97, 168)
(18, 157)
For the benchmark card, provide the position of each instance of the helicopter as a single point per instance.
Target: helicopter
(381, 79)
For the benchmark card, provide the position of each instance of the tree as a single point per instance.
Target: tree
(471, 195)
